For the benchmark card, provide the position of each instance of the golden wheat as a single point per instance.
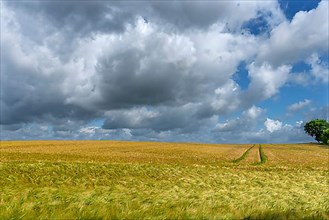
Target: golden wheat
(149, 180)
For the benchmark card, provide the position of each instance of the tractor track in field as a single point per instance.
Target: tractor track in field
(244, 155)
(261, 155)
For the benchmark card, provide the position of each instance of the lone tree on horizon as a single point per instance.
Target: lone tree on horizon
(315, 128)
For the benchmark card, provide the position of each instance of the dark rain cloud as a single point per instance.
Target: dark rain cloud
(87, 17)
(28, 95)
(76, 18)
(182, 119)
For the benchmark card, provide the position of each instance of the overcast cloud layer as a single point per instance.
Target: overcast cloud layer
(167, 71)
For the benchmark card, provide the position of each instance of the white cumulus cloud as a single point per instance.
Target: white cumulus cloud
(299, 105)
(307, 33)
(318, 69)
(272, 125)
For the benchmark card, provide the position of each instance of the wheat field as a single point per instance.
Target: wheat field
(152, 180)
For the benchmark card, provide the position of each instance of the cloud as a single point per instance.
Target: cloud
(78, 19)
(272, 125)
(88, 130)
(197, 15)
(142, 66)
(299, 105)
(320, 112)
(88, 18)
(182, 119)
(266, 81)
(253, 112)
(157, 68)
(245, 129)
(226, 98)
(32, 79)
(246, 122)
(319, 70)
(293, 41)
(301, 78)
(286, 134)
(150, 70)
(145, 69)
(232, 125)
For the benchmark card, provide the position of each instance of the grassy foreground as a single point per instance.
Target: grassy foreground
(139, 180)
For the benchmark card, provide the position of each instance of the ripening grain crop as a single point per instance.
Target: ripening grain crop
(149, 180)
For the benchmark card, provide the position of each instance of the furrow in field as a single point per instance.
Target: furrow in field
(244, 155)
(253, 156)
(262, 156)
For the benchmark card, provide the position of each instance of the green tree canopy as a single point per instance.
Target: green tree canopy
(315, 128)
(325, 136)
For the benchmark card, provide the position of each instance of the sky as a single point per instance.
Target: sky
(180, 71)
